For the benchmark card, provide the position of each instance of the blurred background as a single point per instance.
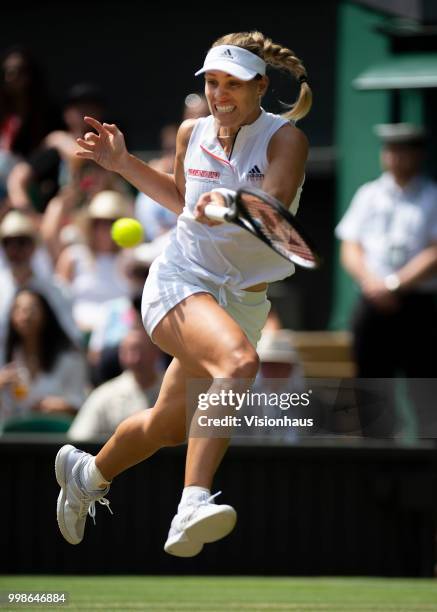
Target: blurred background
(73, 358)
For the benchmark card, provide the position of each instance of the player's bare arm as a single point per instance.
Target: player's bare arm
(182, 140)
(106, 146)
(287, 154)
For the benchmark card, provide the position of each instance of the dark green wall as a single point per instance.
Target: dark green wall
(359, 45)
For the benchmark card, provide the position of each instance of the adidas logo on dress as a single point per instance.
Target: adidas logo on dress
(255, 174)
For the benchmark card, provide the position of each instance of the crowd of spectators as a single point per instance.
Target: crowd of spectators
(74, 356)
(73, 353)
(72, 346)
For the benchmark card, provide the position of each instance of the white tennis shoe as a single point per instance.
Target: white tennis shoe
(199, 522)
(74, 501)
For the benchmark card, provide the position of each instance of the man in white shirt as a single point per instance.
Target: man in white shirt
(389, 247)
(135, 389)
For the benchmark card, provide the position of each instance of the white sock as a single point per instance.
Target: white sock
(93, 478)
(194, 493)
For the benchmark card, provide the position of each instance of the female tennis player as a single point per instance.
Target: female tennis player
(204, 301)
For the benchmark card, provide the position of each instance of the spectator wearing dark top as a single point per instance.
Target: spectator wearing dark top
(26, 113)
(34, 182)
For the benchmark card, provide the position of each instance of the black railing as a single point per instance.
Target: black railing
(303, 510)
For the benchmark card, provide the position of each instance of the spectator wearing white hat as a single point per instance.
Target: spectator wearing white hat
(20, 250)
(26, 264)
(280, 366)
(278, 357)
(95, 270)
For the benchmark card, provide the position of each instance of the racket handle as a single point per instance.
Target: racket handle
(217, 213)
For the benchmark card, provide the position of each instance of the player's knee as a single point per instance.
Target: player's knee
(242, 362)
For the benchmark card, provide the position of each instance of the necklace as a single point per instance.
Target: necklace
(228, 144)
(226, 134)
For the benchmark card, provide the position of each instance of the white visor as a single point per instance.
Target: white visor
(234, 60)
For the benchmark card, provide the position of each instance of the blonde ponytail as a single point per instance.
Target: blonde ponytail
(278, 57)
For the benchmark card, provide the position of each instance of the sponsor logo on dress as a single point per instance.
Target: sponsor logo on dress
(206, 174)
(255, 174)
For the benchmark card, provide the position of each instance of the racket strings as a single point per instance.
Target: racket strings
(269, 222)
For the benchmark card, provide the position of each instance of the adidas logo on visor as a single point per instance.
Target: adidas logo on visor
(227, 53)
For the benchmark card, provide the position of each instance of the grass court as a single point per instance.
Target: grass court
(217, 594)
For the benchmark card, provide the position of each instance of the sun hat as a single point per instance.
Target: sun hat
(276, 345)
(109, 205)
(234, 60)
(400, 133)
(17, 224)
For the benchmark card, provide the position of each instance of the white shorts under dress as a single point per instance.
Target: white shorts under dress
(168, 284)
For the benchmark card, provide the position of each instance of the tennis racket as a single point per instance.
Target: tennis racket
(266, 218)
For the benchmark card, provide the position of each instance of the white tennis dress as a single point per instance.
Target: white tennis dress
(222, 260)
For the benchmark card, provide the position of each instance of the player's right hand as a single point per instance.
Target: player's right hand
(211, 197)
(106, 147)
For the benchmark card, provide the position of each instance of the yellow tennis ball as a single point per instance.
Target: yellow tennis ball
(127, 232)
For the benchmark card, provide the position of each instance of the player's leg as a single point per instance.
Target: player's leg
(217, 348)
(142, 434)
(206, 343)
(139, 436)
(205, 338)
(205, 453)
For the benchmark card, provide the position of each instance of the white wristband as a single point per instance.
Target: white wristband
(228, 194)
(392, 282)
